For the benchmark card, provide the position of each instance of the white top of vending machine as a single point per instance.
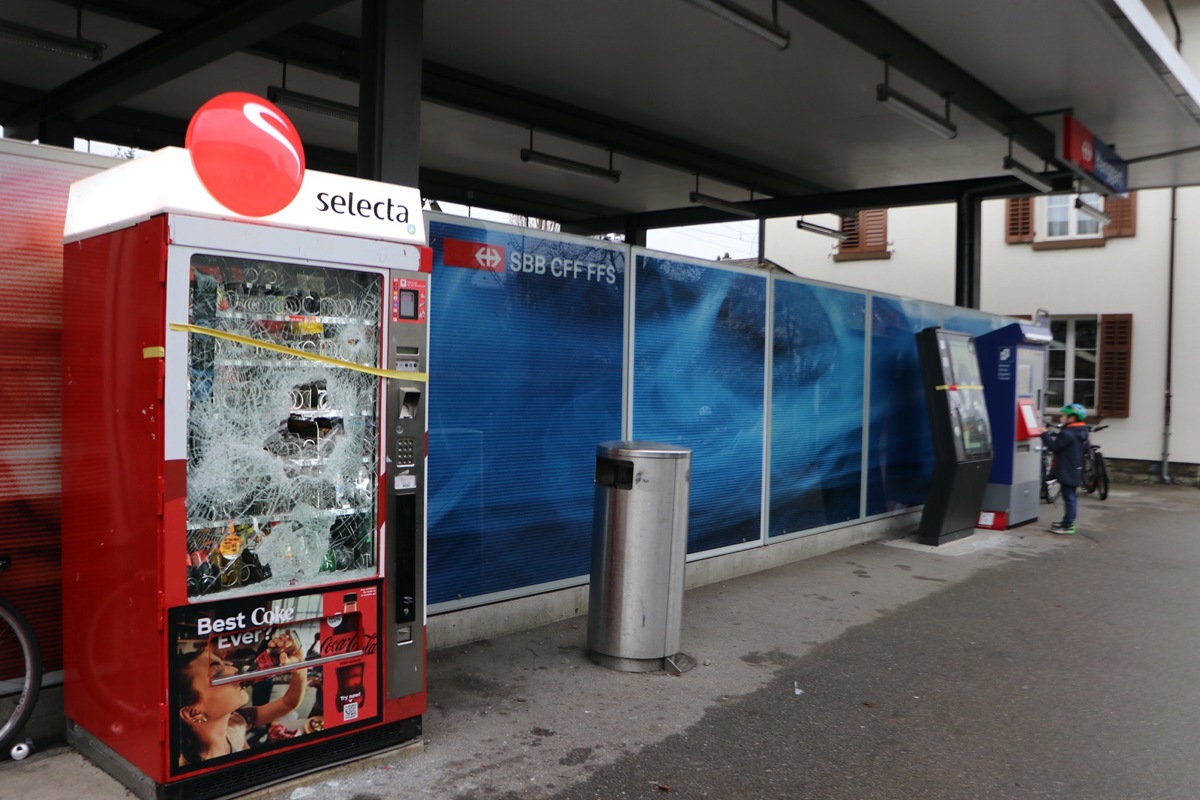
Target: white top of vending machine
(166, 182)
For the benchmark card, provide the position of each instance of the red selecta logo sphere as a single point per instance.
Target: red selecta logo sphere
(247, 153)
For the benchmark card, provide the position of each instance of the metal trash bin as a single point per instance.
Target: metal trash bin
(639, 546)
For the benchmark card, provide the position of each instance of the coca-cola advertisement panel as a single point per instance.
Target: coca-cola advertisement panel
(253, 675)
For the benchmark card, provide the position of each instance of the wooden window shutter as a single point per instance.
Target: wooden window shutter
(1123, 211)
(1116, 359)
(850, 228)
(866, 233)
(1018, 215)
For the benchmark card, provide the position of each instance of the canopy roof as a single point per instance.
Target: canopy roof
(679, 99)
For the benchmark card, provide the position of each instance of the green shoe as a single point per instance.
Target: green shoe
(1063, 531)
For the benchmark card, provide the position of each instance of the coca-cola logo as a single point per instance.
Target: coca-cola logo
(349, 643)
(338, 645)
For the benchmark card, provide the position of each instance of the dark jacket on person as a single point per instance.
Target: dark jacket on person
(1068, 446)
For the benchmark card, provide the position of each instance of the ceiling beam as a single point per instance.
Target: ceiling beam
(470, 191)
(303, 44)
(307, 46)
(131, 128)
(828, 203)
(479, 95)
(126, 127)
(227, 28)
(860, 24)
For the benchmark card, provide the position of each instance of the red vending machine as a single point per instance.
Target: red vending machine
(243, 475)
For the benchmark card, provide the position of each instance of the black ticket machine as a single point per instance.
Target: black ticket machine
(962, 437)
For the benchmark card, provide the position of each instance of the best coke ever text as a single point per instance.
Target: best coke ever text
(258, 617)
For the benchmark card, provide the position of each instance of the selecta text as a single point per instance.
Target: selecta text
(386, 210)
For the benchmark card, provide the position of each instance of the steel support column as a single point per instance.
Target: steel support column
(389, 95)
(967, 252)
(57, 130)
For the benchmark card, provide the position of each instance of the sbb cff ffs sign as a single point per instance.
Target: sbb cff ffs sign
(473, 255)
(1092, 158)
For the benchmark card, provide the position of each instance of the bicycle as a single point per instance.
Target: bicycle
(20, 675)
(1095, 468)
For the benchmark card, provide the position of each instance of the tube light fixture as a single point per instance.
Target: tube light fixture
(813, 227)
(910, 108)
(528, 154)
(747, 20)
(1019, 170)
(316, 105)
(1093, 212)
(718, 204)
(75, 46)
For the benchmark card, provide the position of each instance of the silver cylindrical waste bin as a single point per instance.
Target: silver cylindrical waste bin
(639, 546)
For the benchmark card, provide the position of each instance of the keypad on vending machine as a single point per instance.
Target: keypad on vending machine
(406, 452)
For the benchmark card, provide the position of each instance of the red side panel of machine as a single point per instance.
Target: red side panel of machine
(112, 479)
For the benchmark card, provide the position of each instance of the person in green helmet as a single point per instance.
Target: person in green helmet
(1068, 446)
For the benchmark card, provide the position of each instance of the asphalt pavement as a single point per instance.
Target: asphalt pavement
(1015, 664)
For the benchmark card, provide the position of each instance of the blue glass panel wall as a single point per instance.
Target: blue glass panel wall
(816, 406)
(698, 382)
(525, 380)
(899, 449)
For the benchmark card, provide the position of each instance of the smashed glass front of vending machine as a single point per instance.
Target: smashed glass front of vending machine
(283, 443)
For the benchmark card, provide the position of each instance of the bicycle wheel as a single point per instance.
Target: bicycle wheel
(1101, 477)
(1089, 473)
(20, 673)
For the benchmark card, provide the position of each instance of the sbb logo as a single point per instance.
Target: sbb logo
(247, 153)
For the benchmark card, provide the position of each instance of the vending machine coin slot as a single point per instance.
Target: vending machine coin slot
(407, 359)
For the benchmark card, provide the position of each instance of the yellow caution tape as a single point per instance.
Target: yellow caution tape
(954, 387)
(154, 352)
(423, 377)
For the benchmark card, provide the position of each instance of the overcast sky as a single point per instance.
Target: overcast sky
(738, 239)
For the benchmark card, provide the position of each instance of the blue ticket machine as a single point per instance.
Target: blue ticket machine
(1012, 363)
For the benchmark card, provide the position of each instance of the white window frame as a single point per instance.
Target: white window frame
(1078, 224)
(1069, 364)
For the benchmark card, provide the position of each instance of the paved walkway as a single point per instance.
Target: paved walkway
(1006, 665)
